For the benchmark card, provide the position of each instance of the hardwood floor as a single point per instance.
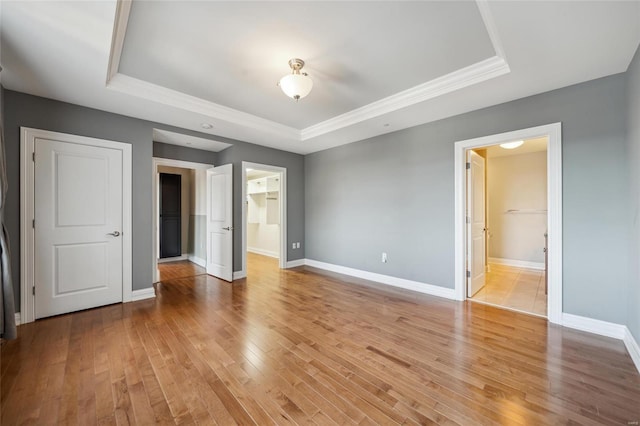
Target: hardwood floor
(299, 346)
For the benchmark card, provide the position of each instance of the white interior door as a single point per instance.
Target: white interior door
(476, 230)
(78, 226)
(220, 222)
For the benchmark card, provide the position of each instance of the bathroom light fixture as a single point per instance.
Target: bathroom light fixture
(298, 84)
(511, 145)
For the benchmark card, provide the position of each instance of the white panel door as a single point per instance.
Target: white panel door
(476, 232)
(78, 225)
(220, 222)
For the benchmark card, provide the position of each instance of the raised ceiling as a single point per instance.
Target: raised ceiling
(377, 66)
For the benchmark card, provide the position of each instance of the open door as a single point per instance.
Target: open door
(220, 221)
(476, 225)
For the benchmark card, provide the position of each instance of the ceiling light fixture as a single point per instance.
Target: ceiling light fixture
(298, 84)
(207, 126)
(511, 145)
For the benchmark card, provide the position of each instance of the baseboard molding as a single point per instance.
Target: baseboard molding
(430, 289)
(632, 347)
(142, 294)
(517, 263)
(295, 263)
(17, 316)
(174, 259)
(263, 252)
(198, 261)
(603, 328)
(238, 275)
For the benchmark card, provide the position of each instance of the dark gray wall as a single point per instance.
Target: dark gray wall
(175, 152)
(294, 163)
(633, 135)
(395, 193)
(32, 111)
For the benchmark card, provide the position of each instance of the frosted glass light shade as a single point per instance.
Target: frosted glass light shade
(296, 86)
(511, 145)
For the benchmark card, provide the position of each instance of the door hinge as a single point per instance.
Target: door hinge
(33, 157)
(468, 274)
(33, 290)
(468, 219)
(33, 223)
(468, 166)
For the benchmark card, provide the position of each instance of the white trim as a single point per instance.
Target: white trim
(602, 328)
(123, 9)
(142, 294)
(157, 161)
(27, 212)
(473, 74)
(238, 275)
(430, 289)
(198, 261)
(173, 259)
(477, 73)
(632, 347)
(296, 263)
(539, 266)
(554, 203)
(17, 317)
(262, 252)
(283, 211)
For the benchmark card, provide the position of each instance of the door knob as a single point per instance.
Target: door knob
(114, 233)
(228, 228)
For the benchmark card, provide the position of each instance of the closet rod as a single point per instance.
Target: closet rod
(526, 211)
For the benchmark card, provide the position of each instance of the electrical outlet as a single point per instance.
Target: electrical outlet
(298, 245)
(293, 245)
(384, 257)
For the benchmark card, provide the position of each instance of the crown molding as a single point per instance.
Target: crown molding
(473, 74)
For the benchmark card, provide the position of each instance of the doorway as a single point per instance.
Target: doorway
(552, 133)
(189, 231)
(263, 215)
(507, 210)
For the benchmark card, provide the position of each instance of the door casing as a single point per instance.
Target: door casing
(554, 205)
(28, 138)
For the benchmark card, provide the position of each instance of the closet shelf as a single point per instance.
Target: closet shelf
(526, 211)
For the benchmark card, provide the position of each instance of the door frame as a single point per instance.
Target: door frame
(282, 261)
(157, 161)
(28, 137)
(554, 206)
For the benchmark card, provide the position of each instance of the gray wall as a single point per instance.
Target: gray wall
(294, 163)
(31, 111)
(633, 126)
(395, 193)
(175, 152)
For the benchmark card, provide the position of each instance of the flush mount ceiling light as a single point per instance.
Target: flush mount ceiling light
(511, 145)
(298, 84)
(207, 126)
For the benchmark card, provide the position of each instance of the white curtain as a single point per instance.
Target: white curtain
(7, 304)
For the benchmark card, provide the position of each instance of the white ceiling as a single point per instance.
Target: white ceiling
(189, 141)
(377, 66)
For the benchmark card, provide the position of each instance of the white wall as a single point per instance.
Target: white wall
(517, 182)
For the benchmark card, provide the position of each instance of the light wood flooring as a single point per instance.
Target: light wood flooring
(515, 288)
(303, 347)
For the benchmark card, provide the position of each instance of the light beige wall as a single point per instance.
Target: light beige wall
(261, 237)
(185, 210)
(517, 182)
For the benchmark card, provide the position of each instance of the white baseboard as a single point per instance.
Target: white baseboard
(430, 289)
(17, 316)
(517, 263)
(144, 293)
(632, 347)
(263, 252)
(174, 259)
(238, 275)
(603, 328)
(295, 263)
(198, 261)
